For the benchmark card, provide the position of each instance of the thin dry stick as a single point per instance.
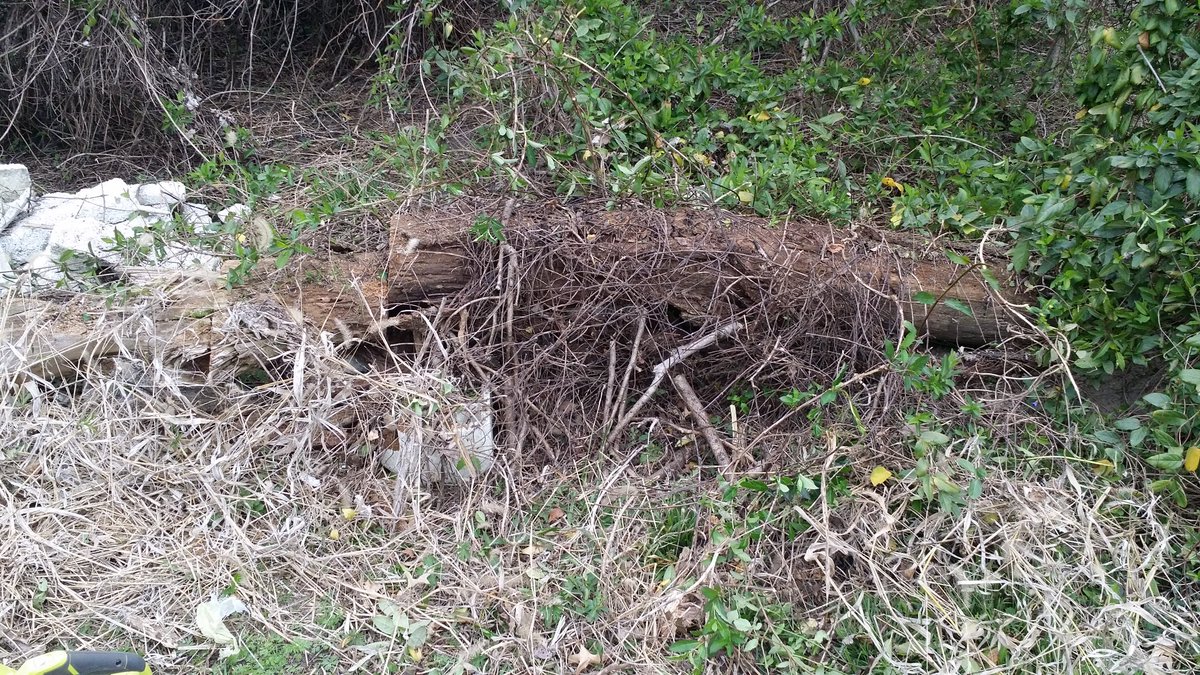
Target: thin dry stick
(515, 437)
(696, 408)
(633, 357)
(660, 371)
(610, 386)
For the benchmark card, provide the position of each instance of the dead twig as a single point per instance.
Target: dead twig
(660, 371)
(696, 408)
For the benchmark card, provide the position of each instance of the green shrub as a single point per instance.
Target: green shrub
(1067, 126)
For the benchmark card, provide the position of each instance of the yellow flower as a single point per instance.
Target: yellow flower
(864, 81)
(890, 182)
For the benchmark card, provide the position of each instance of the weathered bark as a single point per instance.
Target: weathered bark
(430, 258)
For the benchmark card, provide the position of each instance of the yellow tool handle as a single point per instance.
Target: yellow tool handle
(85, 663)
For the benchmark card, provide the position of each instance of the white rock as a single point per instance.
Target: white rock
(87, 223)
(109, 202)
(87, 236)
(167, 193)
(6, 276)
(15, 191)
(14, 179)
(24, 241)
(234, 215)
(178, 256)
(43, 272)
(197, 216)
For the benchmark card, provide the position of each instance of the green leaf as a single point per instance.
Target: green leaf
(384, 624)
(1193, 183)
(989, 278)
(1128, 424)
(419, 634)
(1170, 418)
(1167, 461)
(1160, 486)
(1190, 375)
(1157, 399)
(1162, 178)
(924, 297)
(959, 305)
(958, 259)
(832, 118)
(934, 438)
(1138, 435)
(1020, 255)
(683, 646)
(944, 484)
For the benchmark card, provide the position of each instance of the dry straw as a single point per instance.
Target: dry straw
(139, 485)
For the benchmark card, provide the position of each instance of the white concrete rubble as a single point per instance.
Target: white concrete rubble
(15, 191)
(43, 237)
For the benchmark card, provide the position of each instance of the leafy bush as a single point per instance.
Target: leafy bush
(1069, 126)
(1109, 222)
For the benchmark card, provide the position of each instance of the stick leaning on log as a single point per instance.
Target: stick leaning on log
(660, 374)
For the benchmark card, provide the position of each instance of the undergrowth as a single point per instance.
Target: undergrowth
(1045, 537)
(1063, 131)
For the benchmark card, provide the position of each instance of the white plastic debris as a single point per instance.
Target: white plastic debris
(440, 447)
(210, 618)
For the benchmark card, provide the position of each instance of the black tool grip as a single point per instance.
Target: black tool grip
(100, 663)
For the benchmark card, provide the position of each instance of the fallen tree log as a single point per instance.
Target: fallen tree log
(687, 258)
(699, 255)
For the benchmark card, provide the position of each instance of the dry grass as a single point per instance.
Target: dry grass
(127, 502)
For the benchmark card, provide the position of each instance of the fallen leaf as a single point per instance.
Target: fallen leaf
(556, 514)
(536, 573)
(1103, 467)
(521, 620)
(532, 550)
(1191, 461)
(583, 659)
(264, 234)
(835, 249)
(879, 475)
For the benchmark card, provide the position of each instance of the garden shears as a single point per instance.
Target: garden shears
(81, 663)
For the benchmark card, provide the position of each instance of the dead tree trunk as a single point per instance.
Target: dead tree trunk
(432, 257)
